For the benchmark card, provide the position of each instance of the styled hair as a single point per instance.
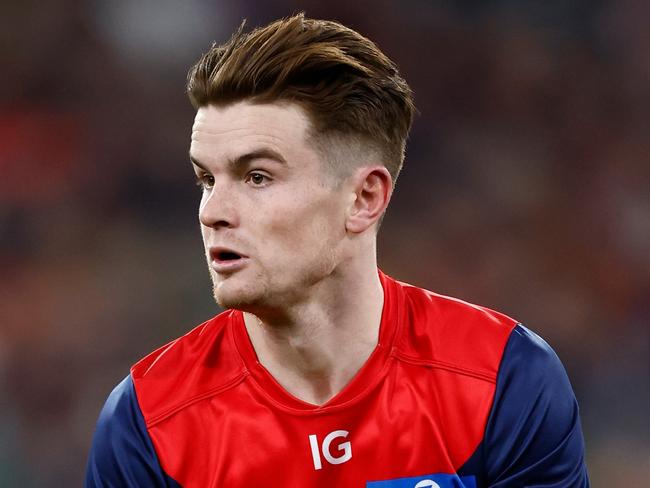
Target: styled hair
(349, 89)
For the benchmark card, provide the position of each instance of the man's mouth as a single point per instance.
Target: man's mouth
(224, 259)
(227, 256)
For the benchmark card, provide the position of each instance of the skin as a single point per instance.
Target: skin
(308, 283)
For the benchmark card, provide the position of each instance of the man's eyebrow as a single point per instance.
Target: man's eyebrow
(194, 161)
(261, 153)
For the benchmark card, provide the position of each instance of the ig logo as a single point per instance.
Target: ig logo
(344, 447)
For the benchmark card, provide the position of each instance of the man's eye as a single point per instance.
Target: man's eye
(257, 179)
(205, 181)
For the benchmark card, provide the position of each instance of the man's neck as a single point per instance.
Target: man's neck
(320, 344)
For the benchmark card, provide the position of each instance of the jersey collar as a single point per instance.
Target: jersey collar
(370, 374)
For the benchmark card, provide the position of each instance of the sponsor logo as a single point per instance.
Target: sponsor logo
(342, 450)
(427, 484)
(426, 481)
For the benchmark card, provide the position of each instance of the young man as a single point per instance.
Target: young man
(323, 371)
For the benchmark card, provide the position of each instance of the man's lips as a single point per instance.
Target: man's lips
(226, 259)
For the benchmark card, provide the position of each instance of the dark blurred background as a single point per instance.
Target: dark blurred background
(526, 189)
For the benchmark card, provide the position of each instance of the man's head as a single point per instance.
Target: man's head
(298, 138)
(351, 92)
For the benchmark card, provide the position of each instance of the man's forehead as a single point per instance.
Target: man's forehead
(239, 128)
(241, 116)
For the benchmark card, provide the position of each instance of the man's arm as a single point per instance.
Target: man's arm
(533, 436)
(122, 453)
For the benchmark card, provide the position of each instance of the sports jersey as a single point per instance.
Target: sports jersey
(453, 395)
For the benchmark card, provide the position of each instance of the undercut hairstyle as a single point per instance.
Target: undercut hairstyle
(351, 92)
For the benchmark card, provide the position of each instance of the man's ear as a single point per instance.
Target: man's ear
(372, 187)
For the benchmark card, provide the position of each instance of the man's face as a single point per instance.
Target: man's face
(272, 217)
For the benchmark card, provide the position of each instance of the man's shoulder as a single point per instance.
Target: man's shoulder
(199, 363)
(452, 333)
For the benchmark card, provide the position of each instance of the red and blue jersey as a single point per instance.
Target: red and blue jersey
(454, 395)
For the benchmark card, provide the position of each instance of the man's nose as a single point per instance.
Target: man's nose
(217, 208)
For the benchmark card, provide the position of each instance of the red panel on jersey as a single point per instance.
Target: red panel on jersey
(419, 405)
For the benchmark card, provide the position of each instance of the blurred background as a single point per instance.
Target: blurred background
(526, 189)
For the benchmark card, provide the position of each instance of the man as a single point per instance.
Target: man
(323, 371)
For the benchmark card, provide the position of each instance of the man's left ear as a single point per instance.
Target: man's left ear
(372, 188)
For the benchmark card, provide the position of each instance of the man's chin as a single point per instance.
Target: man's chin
(232, 299)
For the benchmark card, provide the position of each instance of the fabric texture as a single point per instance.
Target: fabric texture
(454, 395)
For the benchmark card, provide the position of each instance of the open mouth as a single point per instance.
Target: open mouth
(227, 256)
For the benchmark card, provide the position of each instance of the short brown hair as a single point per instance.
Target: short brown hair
(347, 86)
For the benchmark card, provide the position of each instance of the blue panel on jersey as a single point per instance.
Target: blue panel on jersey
(426, 481)
(122, 453)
